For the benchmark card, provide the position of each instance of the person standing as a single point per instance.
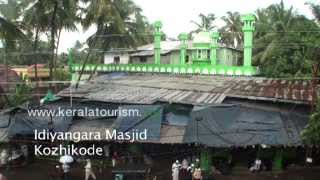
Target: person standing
(65, 160)
(25, 151)
(4, 158)
(66, 171)
(175, 170)
(88, 171)
(185, 171)
(115, 159)
(197, 174)
(2, 177)
(256, 166)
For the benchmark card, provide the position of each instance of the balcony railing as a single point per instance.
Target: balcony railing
(169, 68)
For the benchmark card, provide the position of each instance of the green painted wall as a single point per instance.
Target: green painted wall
(175, 57)
(225, 56)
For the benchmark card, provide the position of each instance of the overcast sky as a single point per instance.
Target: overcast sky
(177, 14)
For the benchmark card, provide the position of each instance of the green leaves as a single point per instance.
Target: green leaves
(315, 8)
(120, 24)
(206, 22)
(283, 43)
(311, 133)
(232, 32)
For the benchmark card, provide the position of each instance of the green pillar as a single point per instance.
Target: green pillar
(248, 29)
(205, 159)
(70, 64)
(183, 37)
(213, 48)
(49, 97)
(157, 41)
(278, 160)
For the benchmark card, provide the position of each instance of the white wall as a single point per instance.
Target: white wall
(109, 58)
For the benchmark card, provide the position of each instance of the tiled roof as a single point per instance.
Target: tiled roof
(195, 90)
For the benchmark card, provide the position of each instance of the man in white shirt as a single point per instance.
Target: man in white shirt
(88, 170)
(175, 170)
(66, 171)
(256, 166)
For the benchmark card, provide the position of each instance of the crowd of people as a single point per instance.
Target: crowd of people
(112, 158)
(17, 156)
(185, 171)
(66, 160)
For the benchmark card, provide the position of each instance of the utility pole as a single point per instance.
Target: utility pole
(6, 69)
(314, 83)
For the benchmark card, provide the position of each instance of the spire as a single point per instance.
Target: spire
(157, 41)
(248, 29)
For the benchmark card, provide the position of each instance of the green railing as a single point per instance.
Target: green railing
(169, 68)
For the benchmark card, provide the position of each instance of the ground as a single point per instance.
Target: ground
(40, 170)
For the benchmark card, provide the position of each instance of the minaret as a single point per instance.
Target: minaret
(248, 29)
(213, 48)
(157, 41)
(183, 37)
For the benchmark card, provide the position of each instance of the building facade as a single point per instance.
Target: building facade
(200, 55)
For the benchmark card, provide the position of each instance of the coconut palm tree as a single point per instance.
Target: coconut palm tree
(9, 32)
(314, 52)
(315, 8)
(120, 24)
(36, 22)
(11, 10)
(51, 16)
(282, 41)
(272, 25)
(232, 31)
(67, 18)
(10, 29)
(205, 24)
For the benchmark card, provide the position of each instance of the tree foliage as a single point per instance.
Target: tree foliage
(285, 42)
(282, 40)
(232, 31)
(120, 24)
(311, 133)
(205, 24)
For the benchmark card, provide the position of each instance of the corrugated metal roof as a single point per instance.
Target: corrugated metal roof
(165, 45)
(234, 125)
(172, 134)
(195, 90)
(99, 126)
(142, 95)
(219, 126)
(149, 53)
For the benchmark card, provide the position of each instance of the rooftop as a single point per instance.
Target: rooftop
(187, 89)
